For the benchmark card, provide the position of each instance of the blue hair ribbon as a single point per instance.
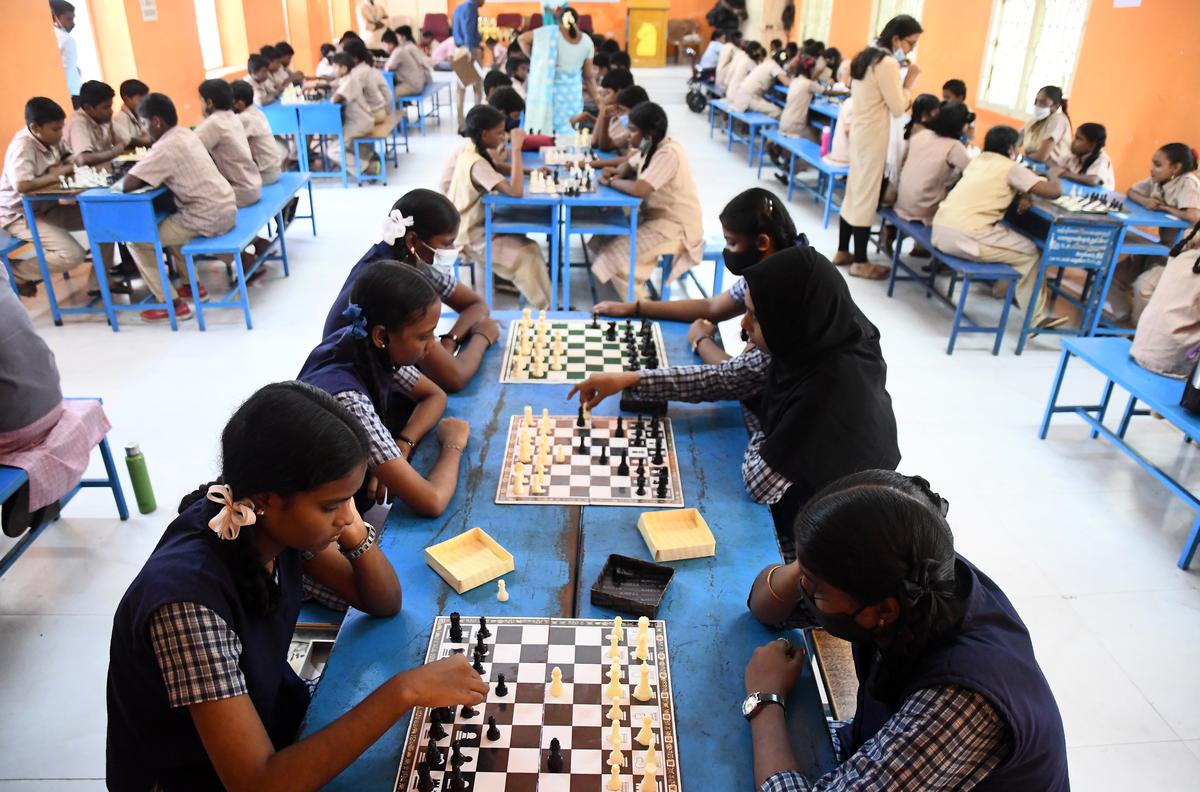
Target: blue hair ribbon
(358, 323)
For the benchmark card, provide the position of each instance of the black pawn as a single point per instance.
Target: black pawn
(628, 328)
(480, 647)
(457, 757)
(478, 664)
(641, 484)
(554, 762)
(493, 733)
(658, 451)
(579, 416)
(611, 333)
(603, 460)
(583, 449)
(620, 430)
(594, 325)
(434, 757)
(468, 711)
(662, 484)
(501, 688)
(644, 330)
(456, 780)
(436, 732)
(424, 782)
(623, 468)
(642, 469)
(456, 627)
(483, 628)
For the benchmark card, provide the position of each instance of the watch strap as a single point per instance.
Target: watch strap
(764, 699)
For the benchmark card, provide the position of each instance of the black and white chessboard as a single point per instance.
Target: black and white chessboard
(582, 479)
(526, 650)
(586, 350)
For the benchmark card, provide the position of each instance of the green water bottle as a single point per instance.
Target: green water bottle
(143, 492)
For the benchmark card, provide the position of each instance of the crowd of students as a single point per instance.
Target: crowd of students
(200, 694)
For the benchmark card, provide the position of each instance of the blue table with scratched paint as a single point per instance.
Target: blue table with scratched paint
(559, 550)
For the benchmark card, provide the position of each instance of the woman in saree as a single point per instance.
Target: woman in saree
(560, 69)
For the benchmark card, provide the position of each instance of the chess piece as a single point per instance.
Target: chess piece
(493, 731)
(658, 451)
(434, 756)
(614, 779)
(457, 781)
(527, 418)
(642, 651)
(611, 333)
(436, 732)
(647, 783)
(641, 480)
(480, 646)
(603, 460)
(559, 454)
(645, 735)
(615, 758)
(483, 628)
(424, 781)
(478, 664)
(456, 627)
(468, 711)
(501, 591)
(501, 688)
(614, 735)
(579, 416)
(535, 483)
(554, 762)
(614, 650)
(662, 485)
(556, 683)
(594, 325)
(651, 758)
(556, 362)
(614, 670)
(539, 369)
(583, 449)
(518, 480)
(620, 430)
(524, 447)
(623, 468)
(615, 689)
(457, 757)
(614, 712)
(642, 692)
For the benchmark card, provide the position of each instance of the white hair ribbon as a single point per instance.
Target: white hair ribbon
(228, 522)
(395, 226)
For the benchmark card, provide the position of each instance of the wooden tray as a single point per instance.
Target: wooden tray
(469, 560)
(676, 534)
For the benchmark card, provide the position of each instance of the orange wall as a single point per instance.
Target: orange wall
(35, 69)
(1143, 103)
(167, 52)
(264, 23)
(309, 24)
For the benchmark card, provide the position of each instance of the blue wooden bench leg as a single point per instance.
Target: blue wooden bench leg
(751, 142)
(1027, 319)
(791, 176)
(1126, 416)
(312, 209)
(1104, 399)
(760, 162)
(1189, 548)
(1008, 301)
(1052, 403)
(958, 314)
(729, 132)
(195, 284)
(282, 255)
(114, 481)
(828, 201)
(895, 262)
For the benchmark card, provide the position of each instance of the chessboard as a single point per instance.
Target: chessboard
(590, 461)
(585, 347)
(1090, 203)
(524, 738)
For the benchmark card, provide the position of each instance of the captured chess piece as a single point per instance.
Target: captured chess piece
(501, 688)
(456, 634)
(493, 731)
(554, 762)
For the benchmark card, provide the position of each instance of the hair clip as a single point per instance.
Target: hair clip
(395, 225)
(234, 514)
(358, 322)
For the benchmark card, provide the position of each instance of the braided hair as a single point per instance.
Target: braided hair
(651, 119)
(878, 534)
(287, 438)
(1097, 135)
(480, 119)
(758, 211)
(924, 108)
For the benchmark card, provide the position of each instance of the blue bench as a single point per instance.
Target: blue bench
(754, 123)
(12, 479)
(250, 219)
(714, 252)
(960, 268)
(9, 243)
(384, 141)
(1110, 357)
(432, 93)
(829, 177)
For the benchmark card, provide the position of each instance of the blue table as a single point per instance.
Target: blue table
(602, 213)
(125, 217)
(1110, 356)
(558, 552)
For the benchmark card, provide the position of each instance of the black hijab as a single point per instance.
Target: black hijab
(826, 410)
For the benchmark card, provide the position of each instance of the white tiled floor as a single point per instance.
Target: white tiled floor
(1083, 541)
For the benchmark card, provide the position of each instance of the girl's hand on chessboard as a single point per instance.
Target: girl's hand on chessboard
(613, 308)
(448, 682)
(775, 667)
(453, 431)
(599, 387)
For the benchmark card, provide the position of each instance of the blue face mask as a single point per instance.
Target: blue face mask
(624, 120)
(511, 123)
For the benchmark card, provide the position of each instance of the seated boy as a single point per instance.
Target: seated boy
(34, 161)
(268, 154)
(204, 201)
(88, 133)
(258, 74)
(128, 129)
(967, 223)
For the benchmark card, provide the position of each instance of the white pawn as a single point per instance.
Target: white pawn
(617, 624)
(556, 362)
(518, 479)
(614, 736)
(527, 421)
(556, 683)
(651, 758)
(524, 448)
(615, 758)
(615, 689)
(559, 454)
(642, 692)
(614, 712)
(614, 779)
(535, 483)
(502, 591)
(646, 734)
(538, 370)
(614, 651)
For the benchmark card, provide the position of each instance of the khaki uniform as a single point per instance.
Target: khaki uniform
(204, 200)
(268, 153)
(1102, 169)
(878, 98)
(1056, 127)
(1170, 324)
(127, 126)
(931, 166)
(967, 224)
(1137, 276)
(82, 135)
(751, 92)
(724, 61)
(739, 70)
(793, 120)
(265, 92)
(374, 90)
(410, 72)
(222, 134)
(357, 120)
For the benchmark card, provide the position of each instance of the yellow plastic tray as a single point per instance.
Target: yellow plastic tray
(469, 560)
(676, 534)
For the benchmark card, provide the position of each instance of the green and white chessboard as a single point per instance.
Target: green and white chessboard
(586, 350)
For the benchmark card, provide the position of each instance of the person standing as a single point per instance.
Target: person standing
(372, 22)
(63, 14)
(561, 69)
(465, 31)
(879, 95)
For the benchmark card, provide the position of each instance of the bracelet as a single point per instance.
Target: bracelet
(457, 448)
(696, 346)
(411, 445)
(771, 588)
(363, 546)
(483, 336)
(452, 337)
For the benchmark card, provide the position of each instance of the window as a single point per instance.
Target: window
(1031, 43)
(815, 18)
(210, 34)
(85, 44)
(886, 9)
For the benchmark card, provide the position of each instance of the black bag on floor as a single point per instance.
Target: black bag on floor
(1191, 389)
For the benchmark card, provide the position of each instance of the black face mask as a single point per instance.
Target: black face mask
(511, 123)
(839, 625)
(737, 263)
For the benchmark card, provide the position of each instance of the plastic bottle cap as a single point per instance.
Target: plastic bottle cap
(132, 449)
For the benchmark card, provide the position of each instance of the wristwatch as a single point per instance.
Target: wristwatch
(755, 701)
(452, 337)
